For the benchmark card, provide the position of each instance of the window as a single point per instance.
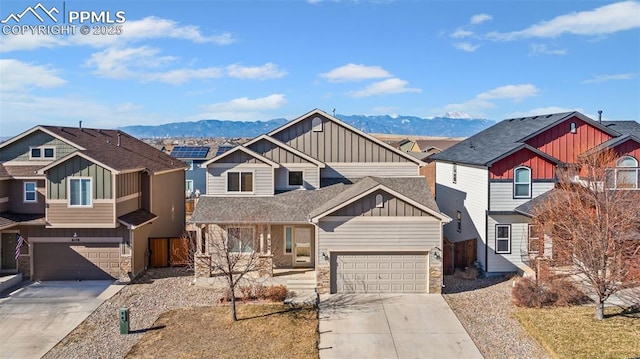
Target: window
(455, 173)
(627, 172)
(459, 221)
(240, 182)
(80, 193)
(240, 239)
(379, 201)
(573, 127)
(534, 238)
(30, 192)
(288, 240)
(36, 152)
(295, 178)
(503, 238)
(188, 188)
(522, 182)
(316, 124)
(49, 152)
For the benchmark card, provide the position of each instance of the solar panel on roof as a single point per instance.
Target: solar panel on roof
(223, 149)
(190, 151)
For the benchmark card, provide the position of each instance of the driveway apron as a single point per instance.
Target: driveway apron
(36, 317)
(391, 326)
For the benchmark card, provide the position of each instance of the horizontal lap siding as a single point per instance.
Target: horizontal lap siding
(127, 206)
(502, 195)
(263, 182)
(311, 175)
(363, 234)
(100, 213)
(358, 170)
(508, 262)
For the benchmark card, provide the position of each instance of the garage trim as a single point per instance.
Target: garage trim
(333, 255)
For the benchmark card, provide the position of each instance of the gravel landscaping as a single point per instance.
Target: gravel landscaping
(154, 293)
(484, 308)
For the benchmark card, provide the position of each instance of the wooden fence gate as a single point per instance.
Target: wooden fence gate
(165, 252)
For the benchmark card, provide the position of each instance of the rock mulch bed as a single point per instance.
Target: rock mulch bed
(484, 308)
(154, 293)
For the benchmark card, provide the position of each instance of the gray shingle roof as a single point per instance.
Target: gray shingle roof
(299, 206)
(527, 207)
(624, 127)
(503, 137)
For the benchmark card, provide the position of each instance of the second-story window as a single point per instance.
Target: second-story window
(455, 173)
(627, 173)
(522, 182)
(240, 182)
(30, 192)
(459, 221)
(80, 192)
(42, 152)
(296, 178)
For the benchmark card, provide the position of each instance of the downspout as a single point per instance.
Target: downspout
(486, 224)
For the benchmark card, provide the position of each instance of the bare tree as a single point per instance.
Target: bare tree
(593, 219)
(232, 253)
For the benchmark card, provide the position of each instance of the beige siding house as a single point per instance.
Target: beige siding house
(338, 202)
(86, 201)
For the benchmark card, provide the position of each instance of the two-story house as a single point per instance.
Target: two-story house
(317, 193)
(486, 182)
(86, 201)
(193, 156)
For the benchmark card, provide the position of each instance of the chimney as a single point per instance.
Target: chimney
(80, 125)
(600, 116)
(118, 139)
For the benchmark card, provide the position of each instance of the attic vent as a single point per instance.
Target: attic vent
(573, 127)
(316, 124)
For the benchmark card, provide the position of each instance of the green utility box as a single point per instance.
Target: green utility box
(124, 320)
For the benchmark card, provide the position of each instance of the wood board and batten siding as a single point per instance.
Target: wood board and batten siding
(263, 178)
(127, 192)
(377, 169)
(541, 168)
(334, 143)
(502, 194)
(20, 150)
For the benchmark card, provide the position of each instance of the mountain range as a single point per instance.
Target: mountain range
(454, 126)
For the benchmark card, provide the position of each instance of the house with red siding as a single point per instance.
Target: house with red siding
(487, 182)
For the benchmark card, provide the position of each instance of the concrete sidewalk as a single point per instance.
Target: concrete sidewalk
(36, 317)
(391, 326)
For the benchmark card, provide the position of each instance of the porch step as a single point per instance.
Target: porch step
(297, 284)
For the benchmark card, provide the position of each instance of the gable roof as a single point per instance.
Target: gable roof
(506, 136)
(112, 148)
(299, 206)
(350, 128)
(286, 148)
(241, 149)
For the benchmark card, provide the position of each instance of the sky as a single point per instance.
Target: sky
(154, 62)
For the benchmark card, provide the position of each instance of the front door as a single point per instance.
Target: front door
(302, 247)
(8, 248)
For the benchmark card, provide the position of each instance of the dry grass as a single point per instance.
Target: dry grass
(262, 331)
(574, 333)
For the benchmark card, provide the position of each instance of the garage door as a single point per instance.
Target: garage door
(64, 261)
(389, 272)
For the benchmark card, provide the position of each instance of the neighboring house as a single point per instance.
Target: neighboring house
(317, 193)
(436, 145)
(406, 145)
(487, 182)
(86, 201)
(193, 156)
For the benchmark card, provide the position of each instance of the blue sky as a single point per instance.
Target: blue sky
(256, 60)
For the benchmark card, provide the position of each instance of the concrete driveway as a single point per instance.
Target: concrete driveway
(391, 326)
(36, 317)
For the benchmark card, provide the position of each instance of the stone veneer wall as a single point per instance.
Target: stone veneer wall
(435, 275)
(24, 266)
(202, 265)
(265, 266)
(125, 269)
(323, 274)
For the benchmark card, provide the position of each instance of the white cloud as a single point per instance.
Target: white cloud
(604, 20)
(133, 31)
(385, 87)
(466, 46)
(604, 78)
(267, 71)
(18, 75)
(480, 18)
(514, 92)
(461, 33)
(128, 63)
(542, 49)
(355, 72)
(485, 100)
(244, 104)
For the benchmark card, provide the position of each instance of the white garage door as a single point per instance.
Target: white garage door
(65, 261)
(388, 272)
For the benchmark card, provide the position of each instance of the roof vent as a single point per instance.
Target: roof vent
(119, 139)
(600, 116)
(80, 125)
